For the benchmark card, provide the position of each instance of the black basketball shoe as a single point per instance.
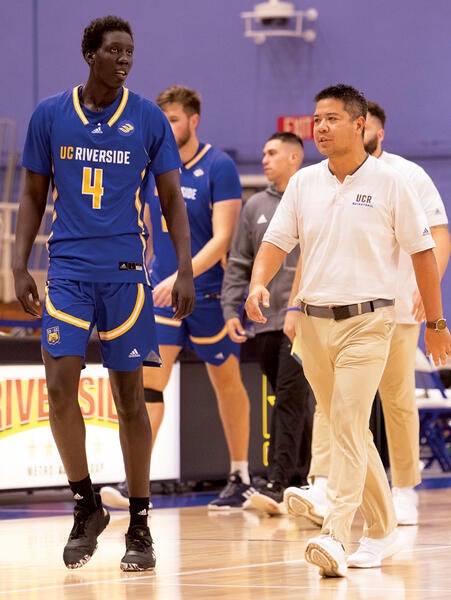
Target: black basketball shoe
(139, 554)
(82, 541)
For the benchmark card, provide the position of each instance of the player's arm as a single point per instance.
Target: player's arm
(437, 343)
(236, 279)
(31, 210)
(442, 252)
(174, 212)
(224, 218)
(267, 262)
(289, 326)
(148, 224)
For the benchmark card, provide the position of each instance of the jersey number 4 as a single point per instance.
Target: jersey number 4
(92, 186)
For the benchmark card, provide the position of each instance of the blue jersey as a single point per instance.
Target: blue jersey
(98, 163)
(210, 177)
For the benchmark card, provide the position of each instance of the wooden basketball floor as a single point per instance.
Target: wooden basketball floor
(206, 555)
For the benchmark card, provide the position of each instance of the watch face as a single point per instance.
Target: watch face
(441, 324)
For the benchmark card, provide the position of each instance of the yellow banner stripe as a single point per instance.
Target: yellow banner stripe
(128, 324)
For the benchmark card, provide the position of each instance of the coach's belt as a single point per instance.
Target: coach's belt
(346, 311)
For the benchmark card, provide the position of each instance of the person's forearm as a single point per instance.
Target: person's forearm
(442, 247)
(428, 281)
(210, 254)
(267, 262)
(28, 222)
(296, 283)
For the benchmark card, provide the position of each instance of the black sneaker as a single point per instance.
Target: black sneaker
(236, 494)
(117, 496)
(82, 542)
(139, 554)
(269, 499)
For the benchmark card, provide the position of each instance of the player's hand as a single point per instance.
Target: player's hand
(236, 330)
(27, 293)
(258, 294)
(162, 292)
(289, 325)
(418, 308)
(438, 345)
(183, 298)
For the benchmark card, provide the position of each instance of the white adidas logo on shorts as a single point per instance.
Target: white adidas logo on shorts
(134, 354)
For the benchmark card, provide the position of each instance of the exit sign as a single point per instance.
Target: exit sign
(301, 125)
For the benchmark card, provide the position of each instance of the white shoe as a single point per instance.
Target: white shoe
(117, 496)
(328, 554)
(405, 500)
(371, 552)
(309, 502)
(267, 505)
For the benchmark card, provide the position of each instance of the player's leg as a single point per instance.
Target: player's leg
(155, 382)
(66, 326)
(127, 332)
(234, 410)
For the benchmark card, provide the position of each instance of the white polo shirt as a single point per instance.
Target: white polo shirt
(349, 233)
(436, 215)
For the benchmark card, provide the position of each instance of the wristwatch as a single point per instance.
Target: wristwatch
(438, 324)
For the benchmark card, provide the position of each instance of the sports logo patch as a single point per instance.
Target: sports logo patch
(125, 128)
(53, 335)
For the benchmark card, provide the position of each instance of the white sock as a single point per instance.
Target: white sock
(243, 469)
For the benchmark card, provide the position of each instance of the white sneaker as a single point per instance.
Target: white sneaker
(309, 502)
(328, 554)
(405, 500)
(267, 505)
(117, 496)
(371, 552)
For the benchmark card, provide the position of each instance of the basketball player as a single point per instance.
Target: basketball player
(94, 144)
(212, 192)
(350, 214)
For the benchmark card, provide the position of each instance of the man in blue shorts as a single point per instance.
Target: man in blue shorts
(94, 144)
(212, 192)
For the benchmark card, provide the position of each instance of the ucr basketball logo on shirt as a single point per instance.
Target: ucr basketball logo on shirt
(363, 200)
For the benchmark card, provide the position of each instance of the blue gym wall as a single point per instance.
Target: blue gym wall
(396, 51)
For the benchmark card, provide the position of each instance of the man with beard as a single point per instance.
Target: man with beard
(212, 192)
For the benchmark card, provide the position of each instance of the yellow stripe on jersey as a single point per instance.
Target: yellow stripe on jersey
(128, 324)
(62, 316)
(138, 205)
(77, 105)
(81, 114)
(120, 108)
(197, 158)
(166, 321)
(210, 340)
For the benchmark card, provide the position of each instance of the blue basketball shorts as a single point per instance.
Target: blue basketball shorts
(204, 331)
(121, 312)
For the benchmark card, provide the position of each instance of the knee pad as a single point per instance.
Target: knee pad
(152, 396)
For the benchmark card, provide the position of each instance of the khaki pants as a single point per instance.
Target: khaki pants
(397, 392)
(343, 362)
